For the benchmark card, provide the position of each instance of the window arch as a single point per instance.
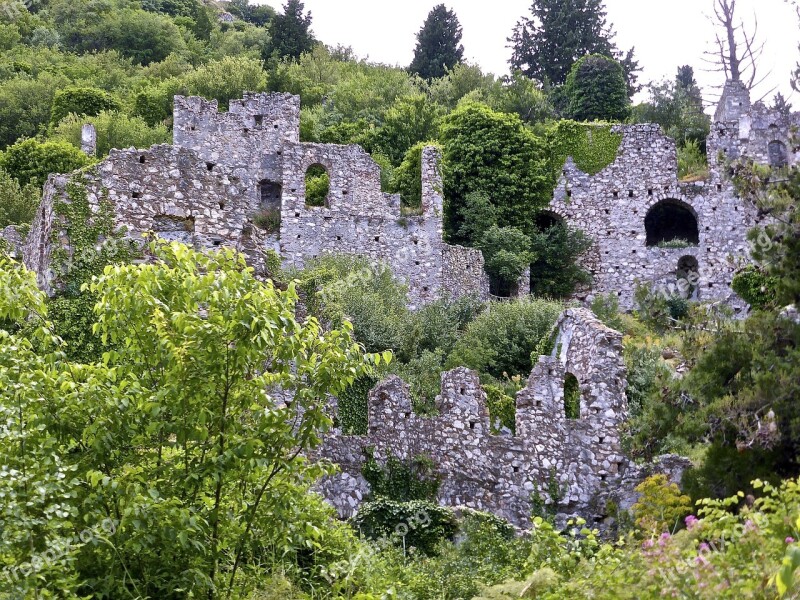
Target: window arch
(671, 221)
(688, 275)
(572, 397)
(546, 219)
(318, 185)
(778, 156)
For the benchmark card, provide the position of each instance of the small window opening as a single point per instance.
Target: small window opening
(137, 194)
(318, 185)
(778, 157)
(572, 397)
(142, 159)
(259, 120)
(671, 221)
(210, 166)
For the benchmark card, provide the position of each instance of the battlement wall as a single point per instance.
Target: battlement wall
(497, 473)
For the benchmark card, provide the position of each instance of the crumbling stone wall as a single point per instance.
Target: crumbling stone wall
(611, 207)
(11, 242)
(166, 189)
(498, 473)
(226, 168)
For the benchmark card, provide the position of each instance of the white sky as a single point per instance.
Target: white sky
(666, 33)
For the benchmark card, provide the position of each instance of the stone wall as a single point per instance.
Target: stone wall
(498, 473)
(11, 242)
(613, 205)
(227, 169)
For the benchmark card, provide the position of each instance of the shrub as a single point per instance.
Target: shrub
(502, 409)
(755, 287)
(417, 524)
(407, 178)
(268, 219)
(692, 161)
(18, 204)
(597, 90)
(506, 252)
(114, 130)
(353, 406)
(661, 505)
(31, 161)
(437, 326)
(423, 374)
(81, 101)
(401, 480)
(555, 270)
(502, 339)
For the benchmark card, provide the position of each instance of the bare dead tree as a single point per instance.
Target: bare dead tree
(737, 48)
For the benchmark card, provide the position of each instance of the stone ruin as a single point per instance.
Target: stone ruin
(637, 211)
(500, 473)
(227, 168)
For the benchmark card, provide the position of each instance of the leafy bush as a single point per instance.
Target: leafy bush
(597, 90)
(31, 161)
(555, 269)
(755, 287)
(114, 130)
(81, 101)
(401, 480)
(501, 339)
(353, 406)
(407, 178)
(423, 374)
(318, 185)
(692, 161)
(18, 203)
(416, 524)
(502, 409)
(268, 219)
(506, 254)
(661, 506)
(593, 146)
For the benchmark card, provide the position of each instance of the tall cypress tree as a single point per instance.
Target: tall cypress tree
(438, 44)
(558, 34)
(290, 32)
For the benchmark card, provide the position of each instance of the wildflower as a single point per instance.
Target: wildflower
(691, 521)
(647, 544)
(789, 540)
(704, 547)
(663, 539)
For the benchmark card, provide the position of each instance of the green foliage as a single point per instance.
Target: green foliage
(402, 480)
(596, 90)
(423, 374)
(506, 254)
(416, 524)
(502, 409)
(493, 153)
(692, 162)
(477, 215)
(521, 95)
(501, 339)
(268, 220)
(408, 121)
(407, 178)
(18, 203)
(555, 270)
(661, 505)
(593, 146)
(755, 287)
(353, 417)
(81, 101)
(606, 308)
(31, 161)
(558, 33)
(224, 79)
(572, 397)
(290, 32)
(25, 103)
(114, 130)
(439, 46)
(318, 185)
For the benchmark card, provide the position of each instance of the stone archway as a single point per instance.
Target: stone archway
(671, 221)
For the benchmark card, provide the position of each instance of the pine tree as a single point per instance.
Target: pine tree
(438, 44)
(558, 34)
(290, 32)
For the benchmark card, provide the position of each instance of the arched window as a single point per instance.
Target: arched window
(688, 275)
(546, 219)
(269, 193)
(778, 156)
(671, 223)
(572, 397)
(318, 184)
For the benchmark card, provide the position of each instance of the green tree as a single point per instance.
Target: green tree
(18, 203)
(409, 120)
(439, 46)
(81, 101)
(556, 271)
(259, 15)
(31, 161)
(596, 90)
(290, 32)
(494, 153)
(506, 251)
(114, 130)
(25, 105)
(558, 33)
(177, 438)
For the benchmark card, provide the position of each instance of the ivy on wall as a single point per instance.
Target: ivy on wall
(353, 406)
(593, 146)
(401, 480)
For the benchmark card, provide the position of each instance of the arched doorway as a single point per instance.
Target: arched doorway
(671, 222)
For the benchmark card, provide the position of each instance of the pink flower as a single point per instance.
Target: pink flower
(663, 539)
(647, 544)
(704, 547)
(750, 526)
(691, 521)
(789, 540)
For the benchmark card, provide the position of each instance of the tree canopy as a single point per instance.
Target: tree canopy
(439, 46)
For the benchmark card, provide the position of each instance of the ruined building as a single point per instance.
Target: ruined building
(501, 473)
(226, 170)
(649, 227)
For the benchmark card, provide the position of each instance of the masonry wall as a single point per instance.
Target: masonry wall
(165, 189)
(498, 473)
(612, 205)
